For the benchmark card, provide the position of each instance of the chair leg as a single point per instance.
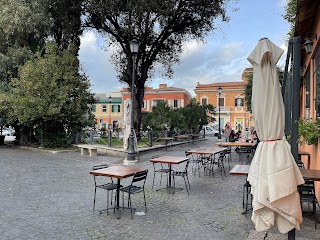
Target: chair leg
(160, 178)
(145, 202)
(154, 175)
(94, 199)
(129, 201)
(107, 202)
(314, 214)
(188, 181)
(185, 182)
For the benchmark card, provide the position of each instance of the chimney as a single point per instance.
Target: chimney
(162, 85)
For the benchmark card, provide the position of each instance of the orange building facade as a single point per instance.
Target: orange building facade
(108, 110)
(308, 28)
(174, 97)
(231, 100)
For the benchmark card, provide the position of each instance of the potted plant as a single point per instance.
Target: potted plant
(309, 131)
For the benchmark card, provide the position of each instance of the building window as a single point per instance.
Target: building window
(115, 108)
(317, 75)
(308, 94)
(156, 102)
(175, 103)
(238, 102)
(93, 108)
(204, 101)
(104, 108)
(221, 102)
(144, 104)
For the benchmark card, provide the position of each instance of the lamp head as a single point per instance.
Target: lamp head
(134, 46)
(219, 90)
(308, 46)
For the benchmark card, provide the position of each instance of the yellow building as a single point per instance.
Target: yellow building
(231, 101)
(108, 110)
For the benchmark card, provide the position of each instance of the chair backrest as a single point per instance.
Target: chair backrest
(306, 189)
(246, 149)
(222, 154)
(98, 167)
(187, 153)
(187, 165)
(300, 164)
(140, 176)
(227, 151)
(96, 179)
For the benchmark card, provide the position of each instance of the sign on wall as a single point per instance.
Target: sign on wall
(239, 124)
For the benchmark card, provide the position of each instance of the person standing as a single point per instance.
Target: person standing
(227, 131)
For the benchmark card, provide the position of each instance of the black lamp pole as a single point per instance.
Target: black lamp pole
(134, 48)
(110, 123)
(219, 92)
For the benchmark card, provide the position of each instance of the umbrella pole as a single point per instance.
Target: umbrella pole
(292, 234)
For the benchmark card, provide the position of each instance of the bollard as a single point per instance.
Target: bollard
(110, 138)
(150, 137)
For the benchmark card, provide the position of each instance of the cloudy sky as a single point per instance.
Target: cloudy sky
(221, 58)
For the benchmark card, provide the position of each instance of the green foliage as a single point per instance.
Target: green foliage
(161, 27)
(50, 92)
(309, 131)
(290, 15)
(248, 90)
(192, 116)
(248, 86)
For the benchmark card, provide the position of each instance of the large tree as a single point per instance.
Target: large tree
(26, 26)
(161, 27)
(49, 95)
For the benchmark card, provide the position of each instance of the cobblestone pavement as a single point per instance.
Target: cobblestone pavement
(50, 196)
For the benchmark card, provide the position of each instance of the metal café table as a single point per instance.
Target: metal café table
(203, 151)
(169, 160)
(118, 172)
(243, 170)
(236, 144)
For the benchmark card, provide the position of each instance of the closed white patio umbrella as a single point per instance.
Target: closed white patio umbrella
(273, 175)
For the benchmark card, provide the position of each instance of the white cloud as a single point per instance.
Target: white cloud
(96, 63)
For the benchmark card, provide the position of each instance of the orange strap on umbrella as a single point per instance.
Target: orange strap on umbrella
(271, 140)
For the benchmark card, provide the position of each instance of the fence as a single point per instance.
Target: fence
(144, 139)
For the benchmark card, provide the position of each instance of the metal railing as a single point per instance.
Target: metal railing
(144, 139)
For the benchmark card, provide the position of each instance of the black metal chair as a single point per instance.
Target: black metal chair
(183, 174)
(196, 163)
(248, 152)
(227, 153)
(160, 170)
(245, 196)
(307, 195)
(133, 188)
(108, 186)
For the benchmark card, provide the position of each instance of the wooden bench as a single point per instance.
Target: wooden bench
(88, 150)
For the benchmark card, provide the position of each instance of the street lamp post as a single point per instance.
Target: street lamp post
(110, 123)
(219, 93)
(134, 48)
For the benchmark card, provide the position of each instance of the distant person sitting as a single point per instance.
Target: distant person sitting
(255, 140)
(232, 136)
(238, 135)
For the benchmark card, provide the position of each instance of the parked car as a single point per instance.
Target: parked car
(7, 132)
(211, 130)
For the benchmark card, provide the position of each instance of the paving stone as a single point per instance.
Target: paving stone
(50, 196)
